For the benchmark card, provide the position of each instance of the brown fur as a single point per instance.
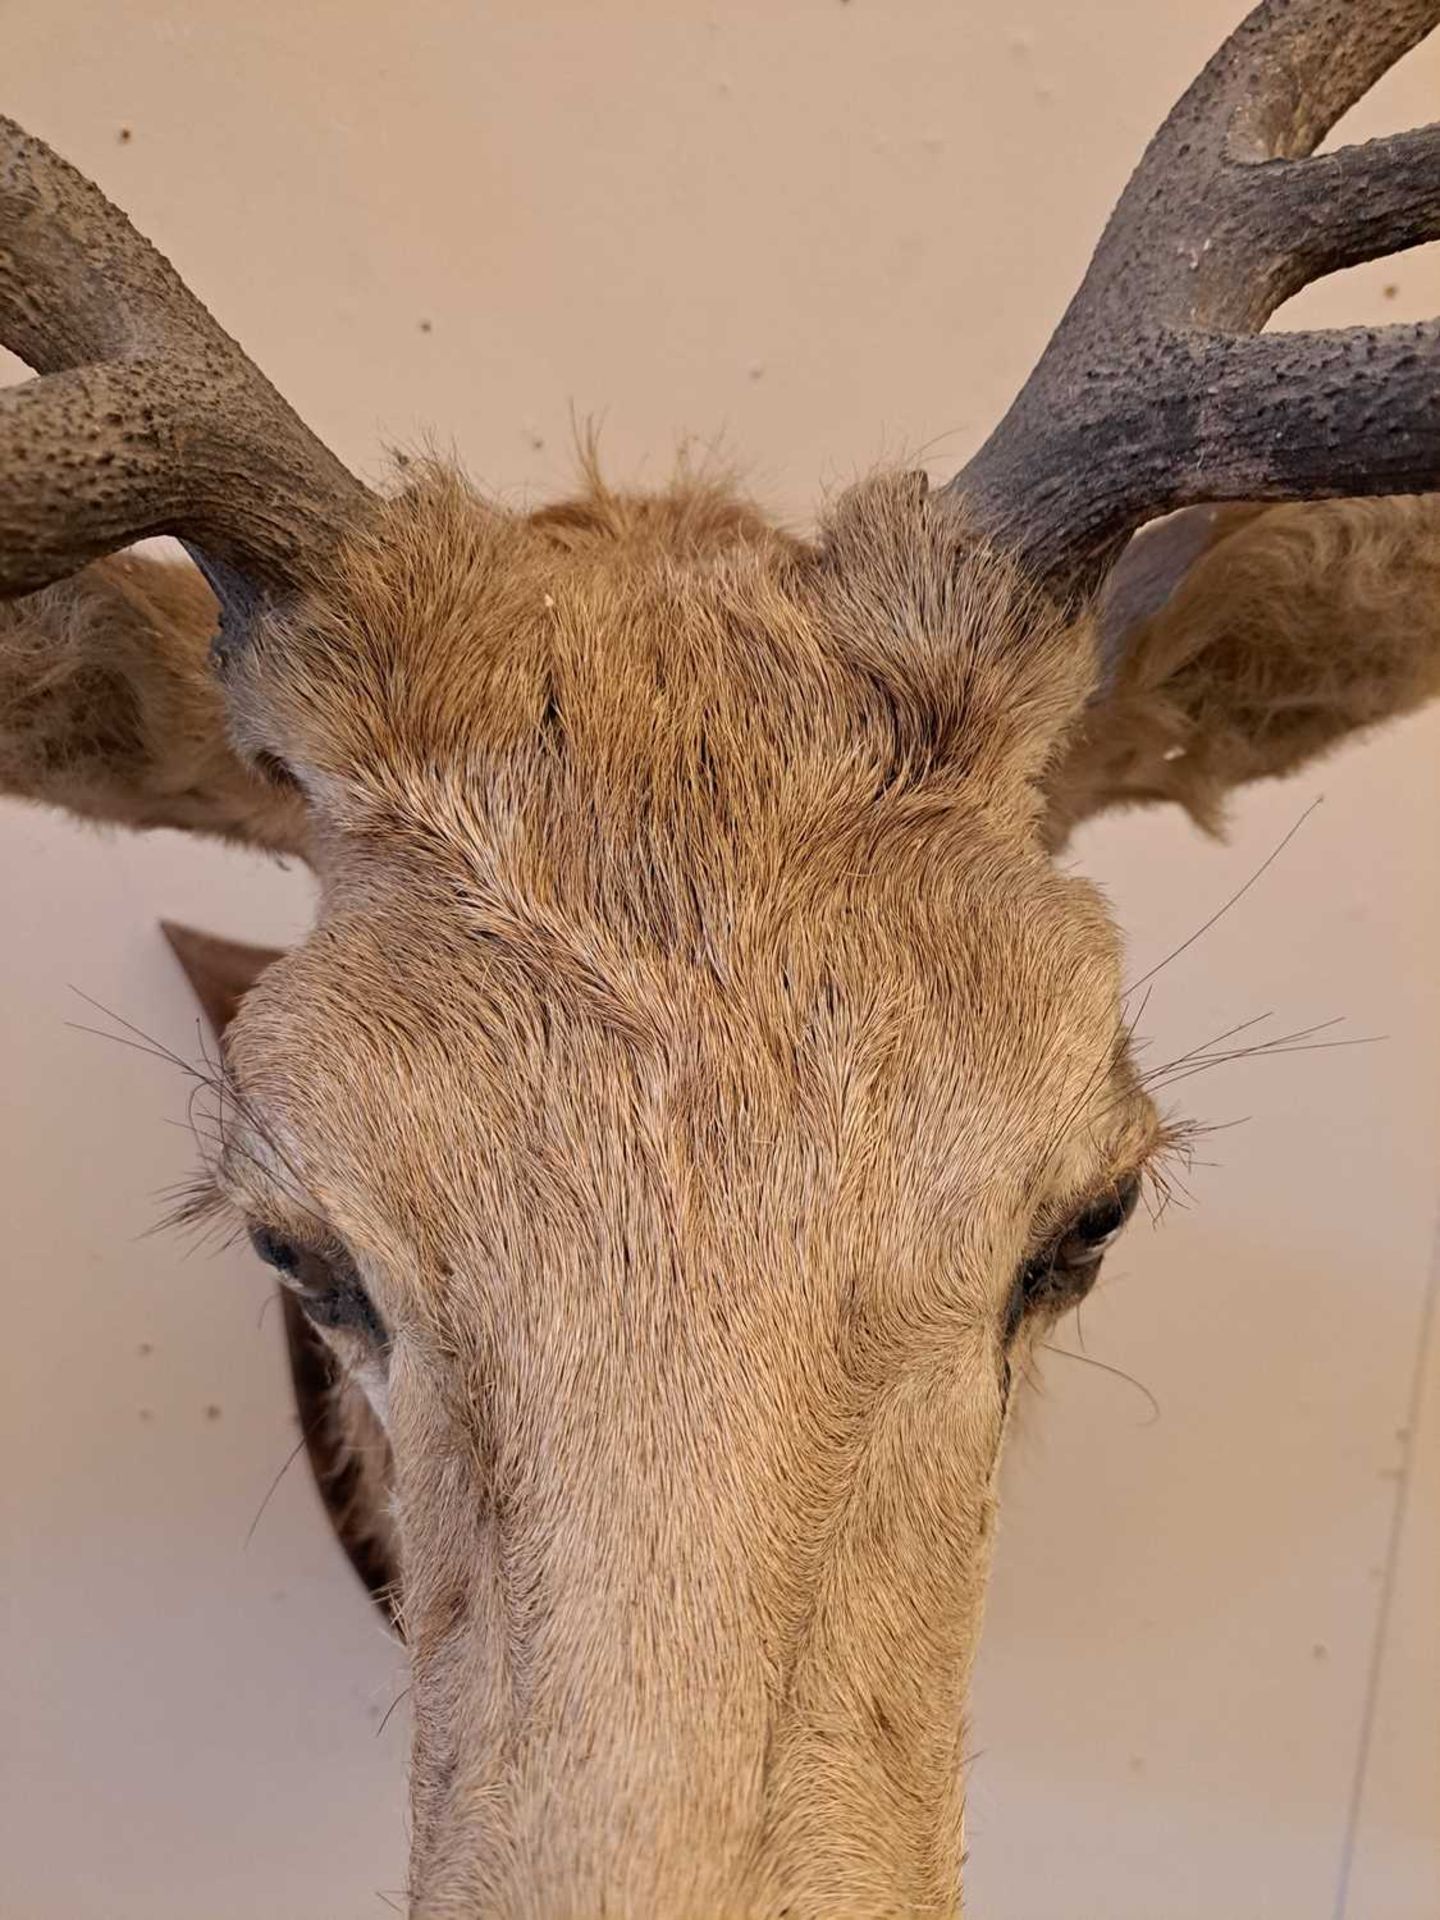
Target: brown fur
(694, 1040)
(108, 708)
(673, 877)
(347, 1449)
(1299, 627)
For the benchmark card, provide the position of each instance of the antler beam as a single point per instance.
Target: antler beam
(1157, 390)
(147, 417)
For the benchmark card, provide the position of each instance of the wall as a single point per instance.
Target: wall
(814, 234)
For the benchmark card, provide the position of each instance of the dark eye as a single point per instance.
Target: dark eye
(1063, 1272)
(325, 1282)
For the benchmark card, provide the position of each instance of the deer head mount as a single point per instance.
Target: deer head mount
(700, 1084)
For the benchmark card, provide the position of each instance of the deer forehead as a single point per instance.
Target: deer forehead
(941, 1058)
(666, 858)
(661, 657)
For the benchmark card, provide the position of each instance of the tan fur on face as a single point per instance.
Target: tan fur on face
(694, 1042)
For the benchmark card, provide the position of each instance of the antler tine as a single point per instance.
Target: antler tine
(1155, 390)
(147, 417)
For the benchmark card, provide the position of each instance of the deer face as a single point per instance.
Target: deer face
(700, 1087)
(698, 1090)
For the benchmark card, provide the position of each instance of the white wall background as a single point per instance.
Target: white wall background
(820, 234)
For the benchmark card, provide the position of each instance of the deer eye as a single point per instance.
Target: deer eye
(324, 1280)
(1063, 1272)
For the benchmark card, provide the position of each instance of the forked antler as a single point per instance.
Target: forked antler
(147, 417)
(1157, 389)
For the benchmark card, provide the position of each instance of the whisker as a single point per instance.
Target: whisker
(1089, 1360)
(1271, 1052)
(1234, 899)
(214, 1075)
(1171, 1073)
(385, 1721)
(1139, 1014)
(1203, 1050)
(1241, 1026)
(272, 1489)
(161, 1054)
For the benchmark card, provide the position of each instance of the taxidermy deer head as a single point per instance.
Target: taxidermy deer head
(700, 1084)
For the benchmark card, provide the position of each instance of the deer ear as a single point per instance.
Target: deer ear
(1145, 577)
(220, 972)
(1240, 642)
(238, 600)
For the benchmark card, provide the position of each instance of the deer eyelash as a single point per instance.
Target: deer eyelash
(200, 1201)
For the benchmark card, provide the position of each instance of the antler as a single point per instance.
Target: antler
(1157, 389)
(147, 418)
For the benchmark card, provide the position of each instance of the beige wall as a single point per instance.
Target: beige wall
(816, 234)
